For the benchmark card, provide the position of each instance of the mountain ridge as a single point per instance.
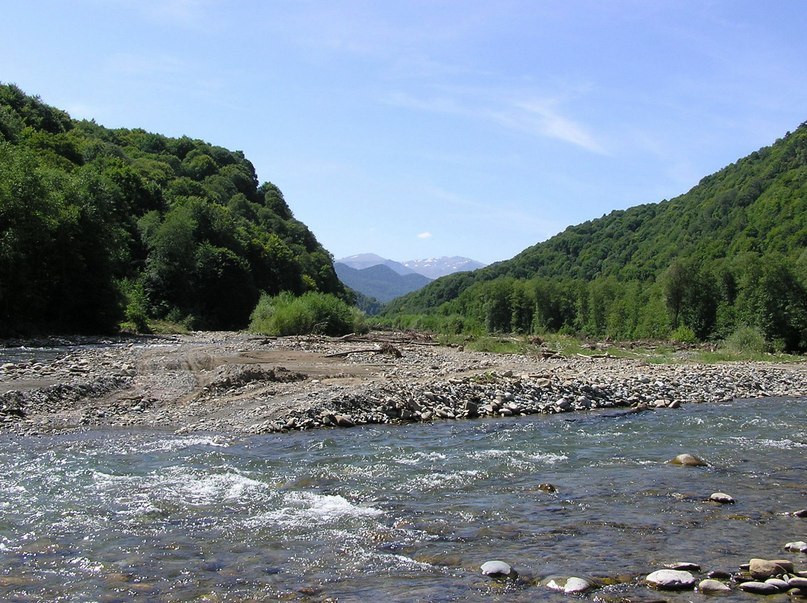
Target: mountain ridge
(431, 268)
(728, 253)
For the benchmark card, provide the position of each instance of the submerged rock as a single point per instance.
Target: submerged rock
(668, 579)
(722, 498)
(685, 566)
(688, 460)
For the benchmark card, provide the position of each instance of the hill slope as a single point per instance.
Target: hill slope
(380, 281)
(99, 224)
(744, 223)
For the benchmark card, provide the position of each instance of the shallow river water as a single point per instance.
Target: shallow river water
(401, 513)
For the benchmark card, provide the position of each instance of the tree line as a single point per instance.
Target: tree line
(730, 254)
(99, 226)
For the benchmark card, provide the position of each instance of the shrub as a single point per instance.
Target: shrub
(684, 334)
(746, 339)
(310, 313)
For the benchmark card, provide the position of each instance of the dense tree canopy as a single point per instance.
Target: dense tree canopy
(99, 224)
(730, 253)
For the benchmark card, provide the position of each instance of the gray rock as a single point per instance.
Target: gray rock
(684, 566)
(768, 568)
(344, 421)
(797, 582)
(711, 585)
(722, 498)
(668, 579)
(782, 585)
(759, 588)
(498, 569)
(797, 547)
(800, 513)
(688, 460)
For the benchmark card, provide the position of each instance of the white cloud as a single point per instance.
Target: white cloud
(425, 235)
(542, 118)
(534, 117)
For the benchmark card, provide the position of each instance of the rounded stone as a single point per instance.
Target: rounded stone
(685, 566)
(722, 498)
(768, 568)
(570, 585)
(688, 460)
(797, 582)
(797, 547)
(782, 585)
(759, 588)
(577, 585)
(713, 586)
(497, 569)
(668, 579)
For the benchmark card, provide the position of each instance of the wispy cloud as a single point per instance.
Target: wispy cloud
(536, 117)
(544, 119)
(425, 235)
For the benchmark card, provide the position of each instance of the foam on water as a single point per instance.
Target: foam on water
(307, 509)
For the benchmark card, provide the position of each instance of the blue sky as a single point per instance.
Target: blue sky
(416, 129)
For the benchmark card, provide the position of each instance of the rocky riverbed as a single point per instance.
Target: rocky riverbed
(241, 383)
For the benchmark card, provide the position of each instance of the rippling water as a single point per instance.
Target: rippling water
(399, 513)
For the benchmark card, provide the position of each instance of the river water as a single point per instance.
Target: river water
(404, 513)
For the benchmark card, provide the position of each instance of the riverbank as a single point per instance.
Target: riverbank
(242, 383)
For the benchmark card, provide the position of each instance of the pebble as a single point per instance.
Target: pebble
(668, 579)
(722, 498)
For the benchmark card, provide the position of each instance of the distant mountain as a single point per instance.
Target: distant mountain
(367, 260)
(437, 267)
(432, 267)
(380, 281)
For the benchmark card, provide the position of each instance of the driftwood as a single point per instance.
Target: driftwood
(384, 348)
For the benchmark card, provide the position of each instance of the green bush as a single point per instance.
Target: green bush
(684, 334)
(311, 313)
(746, 339)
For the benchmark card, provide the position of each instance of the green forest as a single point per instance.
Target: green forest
(102, 226)
(729, 256)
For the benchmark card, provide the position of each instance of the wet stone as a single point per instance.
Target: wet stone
(722, 498)
(668, 579)
(498, 569)
(711, 585)
(688, 460)
(759, 588)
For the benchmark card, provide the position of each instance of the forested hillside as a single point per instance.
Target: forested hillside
(99, 225)
(729, 254)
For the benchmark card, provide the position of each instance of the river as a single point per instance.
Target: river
(406, 513)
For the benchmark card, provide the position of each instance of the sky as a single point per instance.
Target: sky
(415, 129)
